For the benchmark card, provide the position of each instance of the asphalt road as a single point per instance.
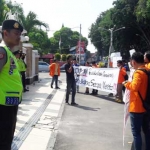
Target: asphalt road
(95, 124)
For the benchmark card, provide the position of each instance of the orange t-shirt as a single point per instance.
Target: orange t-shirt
(138, 83)
(122, 73)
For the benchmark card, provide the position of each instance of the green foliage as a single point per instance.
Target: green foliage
(134, 15)
(63, 57)
(3, 10)
(57, 56)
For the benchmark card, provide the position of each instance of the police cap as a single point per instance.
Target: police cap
(11, 24)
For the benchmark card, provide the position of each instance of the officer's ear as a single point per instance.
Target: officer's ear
(6, 33)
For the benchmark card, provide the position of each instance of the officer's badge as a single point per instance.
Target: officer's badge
(16, 25)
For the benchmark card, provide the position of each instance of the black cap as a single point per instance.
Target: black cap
(12, 24)
(17, 52)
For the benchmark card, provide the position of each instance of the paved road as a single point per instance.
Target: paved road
(95, 124)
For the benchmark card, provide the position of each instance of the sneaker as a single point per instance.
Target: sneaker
(74, 103)
(86, 92)
(57, 88)
(118, 100)
(110, 94)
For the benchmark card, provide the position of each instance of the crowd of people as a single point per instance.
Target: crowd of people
(12, 75)
(139, 116)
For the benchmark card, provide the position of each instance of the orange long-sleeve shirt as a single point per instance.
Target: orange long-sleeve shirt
(147, 65)
(139, 83)
(52, 69)
(122, 73)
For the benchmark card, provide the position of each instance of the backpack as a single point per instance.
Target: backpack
(146, 102)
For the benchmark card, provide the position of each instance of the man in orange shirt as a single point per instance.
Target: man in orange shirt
(55, 72)
(121, 78)
(147, 59)
(138, 115)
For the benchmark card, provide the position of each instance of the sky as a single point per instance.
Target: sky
(71, 13)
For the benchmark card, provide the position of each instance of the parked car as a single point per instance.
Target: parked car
(62, 68)
(43, 66)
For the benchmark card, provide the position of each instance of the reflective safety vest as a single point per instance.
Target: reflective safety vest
(21, 64)
(10, 81)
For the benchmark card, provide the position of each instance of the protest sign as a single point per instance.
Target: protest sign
(126, 99)
(103, 79)
(131, 51)
(115, 59)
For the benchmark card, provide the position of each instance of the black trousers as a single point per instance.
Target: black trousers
(55, 79)
(23, 79)
(8, 118)
(71, 84)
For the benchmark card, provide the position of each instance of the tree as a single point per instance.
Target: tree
(131, 14)
(3, 10)
(64, 57)
(57, 56)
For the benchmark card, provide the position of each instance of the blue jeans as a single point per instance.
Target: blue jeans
(140, 121)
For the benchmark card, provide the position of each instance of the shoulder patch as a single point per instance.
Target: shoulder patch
(2, 55)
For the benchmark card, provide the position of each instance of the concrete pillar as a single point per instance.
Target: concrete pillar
(29, 76)
(36, 62)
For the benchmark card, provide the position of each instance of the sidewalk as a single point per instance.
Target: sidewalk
(38, 116)
(95, 124)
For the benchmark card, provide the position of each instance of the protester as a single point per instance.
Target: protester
(147, 59)
(121, 78)
(55, 72)
(110, 66)
(71, 83)
(87, 89)
(138, 115)
(10, 81)
(94, 92)
(76, 65)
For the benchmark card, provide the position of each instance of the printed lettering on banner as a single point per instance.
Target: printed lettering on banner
(80, 74)
(103, 79)
(126, 99)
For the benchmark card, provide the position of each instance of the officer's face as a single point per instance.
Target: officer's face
(12, 37)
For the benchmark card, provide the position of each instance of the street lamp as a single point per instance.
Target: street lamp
(111, 30)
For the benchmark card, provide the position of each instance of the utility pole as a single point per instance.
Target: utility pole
(80, 46)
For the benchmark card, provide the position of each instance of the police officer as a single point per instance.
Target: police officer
(23, 71)
(10, 82)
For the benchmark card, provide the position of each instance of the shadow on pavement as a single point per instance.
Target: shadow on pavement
(87, 108)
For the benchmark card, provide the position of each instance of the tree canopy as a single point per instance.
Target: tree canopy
(37, 35)
(134, 15)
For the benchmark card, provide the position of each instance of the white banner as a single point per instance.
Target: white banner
(126, 99)
(103, 79)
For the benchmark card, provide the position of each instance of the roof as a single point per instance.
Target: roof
(48, 56)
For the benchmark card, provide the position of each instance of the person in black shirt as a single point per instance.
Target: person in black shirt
(71, 84)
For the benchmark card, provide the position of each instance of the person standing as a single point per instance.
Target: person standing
(22, 67)
(87, 89)
(94, 92)
(55, 72)
(138, 117)
(121, 78)
(76, 65)
(71, 83)
(10, 81)
(147, 59)
(23, 71)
